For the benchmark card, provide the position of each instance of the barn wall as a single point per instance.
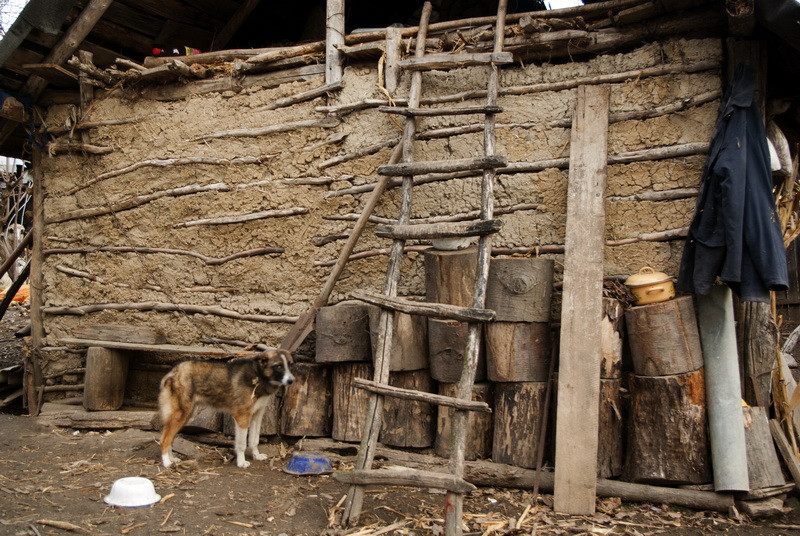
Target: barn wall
(274, 288)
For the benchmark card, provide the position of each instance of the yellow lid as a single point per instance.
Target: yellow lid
(646, 276)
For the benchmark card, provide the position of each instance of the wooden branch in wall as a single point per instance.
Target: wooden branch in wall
(365, 151)
(302, 97)
(373, 253)
(165, 162)
(85, 125)
(70, 146)
(97, 279)
(211, 261)
(327, 122)
(663, 195)
(308, 181)
(92, 71)
(278, 213)
(136, 201)
(462, 216)
(215, 310)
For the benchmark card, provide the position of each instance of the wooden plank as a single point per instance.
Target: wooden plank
(168, 348)
(120, 333)
(443, 166)
(787, 453)
(409, 394)
(582, 307)
(394, 52)
(439, 230)
(433, 310)
(404, 477)
(447, 60)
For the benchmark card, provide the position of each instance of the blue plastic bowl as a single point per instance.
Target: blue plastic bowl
(308, 463)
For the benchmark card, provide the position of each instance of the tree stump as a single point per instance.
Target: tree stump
(520, 289)
(663, 338)
(307, 403)
(518, 413)
(612, 419)
(763, 467)
(518, 351)
(667, 437)
(409, 349)
(204, 419)
(408, 423)
(343, 333)
(447, 343)
(349, 403)
(450, 276)
(479, 425)
(105, 377)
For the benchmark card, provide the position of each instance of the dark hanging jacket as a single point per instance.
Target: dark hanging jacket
(735, 234)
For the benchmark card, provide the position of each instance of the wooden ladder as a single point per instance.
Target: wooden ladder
(453, 481)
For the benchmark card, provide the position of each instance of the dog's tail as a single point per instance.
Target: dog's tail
(166, 396)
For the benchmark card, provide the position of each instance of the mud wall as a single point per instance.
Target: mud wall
(170, 257)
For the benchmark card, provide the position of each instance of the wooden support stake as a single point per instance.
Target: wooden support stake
(582, 309)
(334, 37)
(393, 47)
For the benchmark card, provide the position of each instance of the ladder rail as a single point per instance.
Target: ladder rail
(369, 439)
(454, 505)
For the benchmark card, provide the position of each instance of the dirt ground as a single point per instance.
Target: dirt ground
(53, 481)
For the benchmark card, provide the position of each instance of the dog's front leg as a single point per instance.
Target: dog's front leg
(239, 443)
(255, 434)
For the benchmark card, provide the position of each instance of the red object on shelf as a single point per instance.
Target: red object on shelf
(175, 51)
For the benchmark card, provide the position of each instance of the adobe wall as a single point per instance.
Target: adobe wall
(278, 287)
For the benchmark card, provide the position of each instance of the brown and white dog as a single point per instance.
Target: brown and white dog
(240, 387)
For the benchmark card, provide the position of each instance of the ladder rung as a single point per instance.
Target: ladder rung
(435, 310)
(403, 476)
(445, 60)
(410, 394)
(458, 110)
(439, 230)
(443, 166)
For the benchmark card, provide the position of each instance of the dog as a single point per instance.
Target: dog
(240, 387)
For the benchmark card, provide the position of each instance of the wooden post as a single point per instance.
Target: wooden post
(307, 403)
(334, 37)
(582, 307)
(518, 413)
(33, 373)
(391, 71)
(104, 381)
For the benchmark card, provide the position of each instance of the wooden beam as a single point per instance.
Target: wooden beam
(334, 38)
(582, 307)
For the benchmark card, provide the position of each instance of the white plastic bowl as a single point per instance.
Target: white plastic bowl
(451, 244)
(132, 491)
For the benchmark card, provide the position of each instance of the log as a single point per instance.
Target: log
(450, 276)
(446, 349)
(763, 467)
(409, 423)
(302, 97)
(409, 346)
(403, 476)
(667, 436)
(612, 429)
(663, 338)
(349, 402)
(334, 36)
(343, 333)
(518, 351)
(518, 411)
(479, 425)
(203, 419)
(270, 423)
(520, 289)
(104, 381)
(121, 333)
(308, 402)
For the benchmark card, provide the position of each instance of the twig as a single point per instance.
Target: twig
(212, 261)
(327, 122)
(244, 217)
(166, 307)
